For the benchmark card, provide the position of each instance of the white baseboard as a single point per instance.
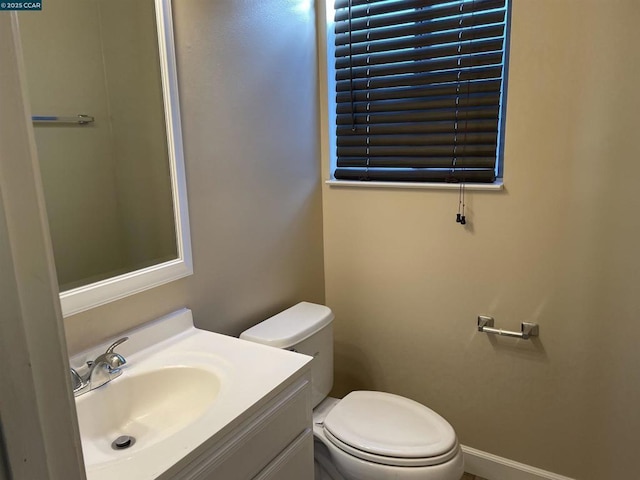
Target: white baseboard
(493, 467)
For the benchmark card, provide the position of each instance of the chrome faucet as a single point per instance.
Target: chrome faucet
(101, 370)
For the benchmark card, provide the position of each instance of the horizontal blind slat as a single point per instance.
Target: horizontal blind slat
(490, 125)
(417, 54)
(481, 86)
(338, 4)
(423, 66)
(450, 102)
(416, 151)
(415, 175)
(421, 116)
(428, 78)
(345, 3)
(466, 138)
(417, 162)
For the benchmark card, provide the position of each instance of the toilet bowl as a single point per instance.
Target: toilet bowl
(380, 436)
(367, 435)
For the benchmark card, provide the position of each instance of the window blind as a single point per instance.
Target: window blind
(418, 89)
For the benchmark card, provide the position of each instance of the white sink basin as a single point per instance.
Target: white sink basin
(149, 406)
(181, 387)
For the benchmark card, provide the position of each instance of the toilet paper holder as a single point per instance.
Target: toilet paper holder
(527, 329)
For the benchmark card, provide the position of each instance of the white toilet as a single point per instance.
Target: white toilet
(366, 435)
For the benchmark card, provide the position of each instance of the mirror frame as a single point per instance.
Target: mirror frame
(95, 294)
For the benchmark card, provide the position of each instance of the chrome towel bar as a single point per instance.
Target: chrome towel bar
(75, 119)
(527, 329)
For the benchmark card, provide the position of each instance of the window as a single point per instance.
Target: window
(419, 86)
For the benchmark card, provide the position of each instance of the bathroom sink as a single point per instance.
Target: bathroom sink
(148, 407)
(181, 390)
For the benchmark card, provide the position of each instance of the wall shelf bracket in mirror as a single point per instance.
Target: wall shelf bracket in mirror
(114, 186)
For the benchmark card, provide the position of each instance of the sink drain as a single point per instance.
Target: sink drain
(122, 442)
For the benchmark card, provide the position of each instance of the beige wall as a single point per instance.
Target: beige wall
(557, 247)
(248, 92)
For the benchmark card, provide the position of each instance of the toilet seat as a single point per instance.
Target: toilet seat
(391, 430)
(392, 461)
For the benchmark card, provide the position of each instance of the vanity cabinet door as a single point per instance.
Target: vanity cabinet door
(282, 426)
(294, 463)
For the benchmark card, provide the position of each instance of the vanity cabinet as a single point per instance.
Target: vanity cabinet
(293, 462)
(200, 406)
(275, 442)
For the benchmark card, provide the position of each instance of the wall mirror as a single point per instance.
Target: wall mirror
(101, 79)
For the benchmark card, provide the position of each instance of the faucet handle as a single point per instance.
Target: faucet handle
(112, 359)
(76, 379)
(113, 346)
(78, 385)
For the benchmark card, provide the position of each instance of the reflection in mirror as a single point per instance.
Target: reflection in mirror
(107, 131)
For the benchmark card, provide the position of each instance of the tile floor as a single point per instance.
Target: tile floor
(468, 476)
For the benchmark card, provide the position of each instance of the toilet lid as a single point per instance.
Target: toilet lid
(377, 424)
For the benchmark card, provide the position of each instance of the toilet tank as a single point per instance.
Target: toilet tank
(304, 328)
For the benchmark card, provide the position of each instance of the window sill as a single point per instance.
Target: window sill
(497, 185)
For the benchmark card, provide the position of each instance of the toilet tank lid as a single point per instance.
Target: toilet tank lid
(291, 326)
